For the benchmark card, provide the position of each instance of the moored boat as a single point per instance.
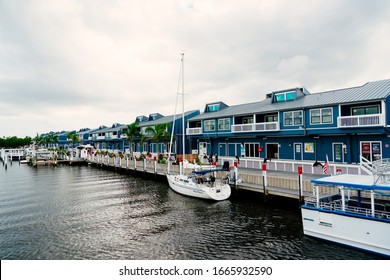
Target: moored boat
(356, 213)
(200, 184)
(196, 184)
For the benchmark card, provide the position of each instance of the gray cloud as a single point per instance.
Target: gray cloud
(73, 64)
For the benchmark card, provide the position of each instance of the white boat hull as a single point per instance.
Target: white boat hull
(181, 184)
(366, 233)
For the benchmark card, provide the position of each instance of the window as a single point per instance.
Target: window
(271, 118)
(315, 116)
(327, 115)
(251, 149)
(209, 125)
(293, 118)
(284, 96)
(320, 116)
(246, 120)
(212, 107)
(224, 124)
(365, 110)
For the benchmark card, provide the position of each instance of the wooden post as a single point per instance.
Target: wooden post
(300, 187)
(264, 168)
(235, 170)
(155, 167)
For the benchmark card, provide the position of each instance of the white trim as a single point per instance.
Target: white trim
(301, 144)
(342, 151)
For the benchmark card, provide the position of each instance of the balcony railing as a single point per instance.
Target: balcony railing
(194, 131)
(250, 127)
(361, 120)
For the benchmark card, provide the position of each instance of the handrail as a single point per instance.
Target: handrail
(332, 206)
(366, 165)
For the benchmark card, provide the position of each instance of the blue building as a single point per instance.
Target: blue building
(115, 138)
(294, 124)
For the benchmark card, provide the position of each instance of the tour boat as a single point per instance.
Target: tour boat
(356, 213)
(199, 183)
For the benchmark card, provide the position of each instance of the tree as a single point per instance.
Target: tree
(159, 133)
(39, 140)
(72, 138)
(14, 142)
(51, 138)
(132, 132)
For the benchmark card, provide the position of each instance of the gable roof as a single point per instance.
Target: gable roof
(166, 119)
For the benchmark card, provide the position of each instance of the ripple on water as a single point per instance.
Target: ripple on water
(87, 213)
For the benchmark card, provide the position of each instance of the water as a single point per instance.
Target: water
(82, 212)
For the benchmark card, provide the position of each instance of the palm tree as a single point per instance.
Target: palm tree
(159, 133)
(72, 137)
(38, 140)
(52, 139)
(132, 131)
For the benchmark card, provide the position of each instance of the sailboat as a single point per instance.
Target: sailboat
(199, 183)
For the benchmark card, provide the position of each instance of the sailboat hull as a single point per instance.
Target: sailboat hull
(186, 186)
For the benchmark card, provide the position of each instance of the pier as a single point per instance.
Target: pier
(274, 183)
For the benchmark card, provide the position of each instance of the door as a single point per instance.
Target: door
(222, 149)
(298, 151)
(272, 150)
(371, 150)
(338, 155)
(202, 148)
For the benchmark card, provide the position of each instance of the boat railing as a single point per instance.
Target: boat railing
(337, 206)
(381, 171)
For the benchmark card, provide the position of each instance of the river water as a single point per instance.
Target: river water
(82, 212)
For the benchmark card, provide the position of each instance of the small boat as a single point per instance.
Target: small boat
(200, 184)
(197, 183)
(356, 213)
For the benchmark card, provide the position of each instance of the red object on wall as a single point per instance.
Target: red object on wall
(300, 170)
(264, 167)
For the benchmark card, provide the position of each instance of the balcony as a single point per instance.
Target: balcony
(256, 127)
(361, 120)
(194, 131)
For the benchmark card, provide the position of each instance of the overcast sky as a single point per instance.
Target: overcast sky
(66, 65)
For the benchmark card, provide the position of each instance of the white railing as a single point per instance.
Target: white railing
(194, 131)
(366, 165)
(381, 171)
(266, 126)
(292, 166)
(333, 206)
(361, 120)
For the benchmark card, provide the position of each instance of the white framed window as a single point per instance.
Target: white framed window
(224, 124)
(293, 118)
(284, 96)
(321, 116)
(365, 110)
(209, 125)
(252, 149)
(212, 107)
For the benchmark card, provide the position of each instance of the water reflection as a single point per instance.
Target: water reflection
(86, 213)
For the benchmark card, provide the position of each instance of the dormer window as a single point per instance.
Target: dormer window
(284, 96)
(212, 107)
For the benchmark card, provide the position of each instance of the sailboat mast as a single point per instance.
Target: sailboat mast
(182, 86)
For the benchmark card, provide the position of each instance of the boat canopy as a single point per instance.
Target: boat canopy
(204, 172)
(359, 182)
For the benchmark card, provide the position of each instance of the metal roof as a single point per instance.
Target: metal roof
(370, 91)
(166, 119)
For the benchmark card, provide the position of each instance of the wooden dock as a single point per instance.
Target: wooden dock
(281, 184)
